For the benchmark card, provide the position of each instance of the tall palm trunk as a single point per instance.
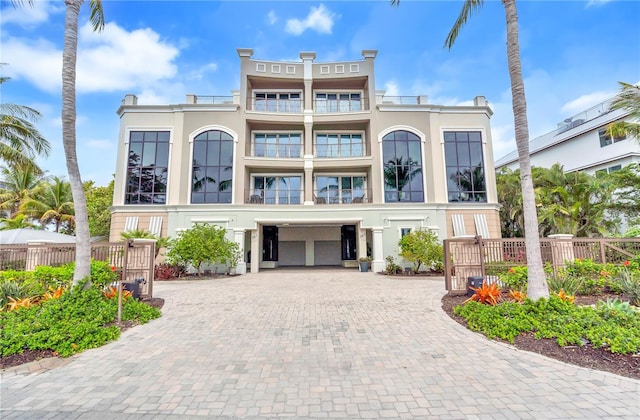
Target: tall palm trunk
(537, 285)
(69, 54)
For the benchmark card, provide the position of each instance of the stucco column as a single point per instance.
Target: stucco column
(362, 241)
(238, 237)
(378, 250)
(255, 250)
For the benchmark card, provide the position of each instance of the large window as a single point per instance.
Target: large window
(340, 189)
(212, 171)
(338, 102)
(606, 139)
(339, 145)
(402, 160)
(277, 145)
(147, 167)
(278, 102)
(276, 189)
(465, 166)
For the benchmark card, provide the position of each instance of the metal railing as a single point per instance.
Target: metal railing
(273, 197)
(270, 150)
(404, 100)
(275, 105)
(345, 150)
(342, 196)
(488, 258)
(214, 100)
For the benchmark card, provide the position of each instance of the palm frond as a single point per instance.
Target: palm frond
(468, 9)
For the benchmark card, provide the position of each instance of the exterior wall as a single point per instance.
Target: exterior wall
(578, 149)
(493, 222)
(378, 224)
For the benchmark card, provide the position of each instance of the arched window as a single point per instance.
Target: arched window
(212, 170)
(402, 170)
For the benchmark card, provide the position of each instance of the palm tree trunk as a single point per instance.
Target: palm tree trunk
(69, 54)
(537, 284)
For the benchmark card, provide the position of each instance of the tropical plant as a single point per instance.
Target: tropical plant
(421, 247)
(203, 243)
(19, 221)
(563, 281)
(69, 55)
(612, 307)
(487, 294)
(391, 267)
(21, 181)
(628, 99)
(99, 201)
(161, 242)
(629, 281)
(510, 199)
(51, 203)
(20, 140)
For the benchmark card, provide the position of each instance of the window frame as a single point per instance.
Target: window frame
(340, 134)
(278, 134)
(206, 164)
(327, 107)
(606, 139)
(419, 139)
(281, 104)
(340, 176)
(482, 142)
(260, 191)
(128, 142)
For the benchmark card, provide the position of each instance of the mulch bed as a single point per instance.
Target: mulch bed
(33, 355)
(585, 356)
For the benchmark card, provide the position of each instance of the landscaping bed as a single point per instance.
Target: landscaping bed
(585, 356)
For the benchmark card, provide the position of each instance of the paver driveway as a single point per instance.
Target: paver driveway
(322, 343)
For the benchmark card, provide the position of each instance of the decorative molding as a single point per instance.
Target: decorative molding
(324, 69)
(261, 67)
(276, 68)
(339, 68)
(354, 68)
(291, 69)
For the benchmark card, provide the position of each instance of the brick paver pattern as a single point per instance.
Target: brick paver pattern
(308, 344)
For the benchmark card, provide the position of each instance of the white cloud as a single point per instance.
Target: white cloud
(591, 3)
(271, 17)
(200, 72)
(113, 59)
(391, 88)
(320, 19)
(30, 15)
(586, 101)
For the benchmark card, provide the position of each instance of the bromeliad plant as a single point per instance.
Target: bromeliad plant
(487, 294)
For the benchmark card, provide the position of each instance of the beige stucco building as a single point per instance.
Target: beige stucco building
(306, 164)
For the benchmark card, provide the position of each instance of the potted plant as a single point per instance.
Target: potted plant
(364, 263)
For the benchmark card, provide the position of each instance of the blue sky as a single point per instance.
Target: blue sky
(573, 55)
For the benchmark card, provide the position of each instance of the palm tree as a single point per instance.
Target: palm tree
(629, 100)
(21, 182)
(52, 203)
(20, 221)
(20, 141)
(537, 284)
(69, 55)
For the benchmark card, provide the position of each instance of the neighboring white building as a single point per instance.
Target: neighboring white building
(580, 143)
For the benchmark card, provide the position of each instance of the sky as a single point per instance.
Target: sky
(573, 55)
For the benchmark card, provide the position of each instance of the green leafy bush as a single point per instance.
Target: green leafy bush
(203, 243)
(391, 267)
(561, 280)
(78, 320)
(555, 318)
(515, 278)
(422, 247)
(629, 281)
(593, 275)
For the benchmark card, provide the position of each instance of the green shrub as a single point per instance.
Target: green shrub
(565, 282)
(391, 267)
(422, 247)
(629, 281)
(568, 324)
(594, 275)
(78, 320)
(515, 278)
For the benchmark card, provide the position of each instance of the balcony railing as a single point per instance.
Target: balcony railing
(347, 150)
(275, 105)
(215, 100)
(286, 151)
(325, 106)
(342, 196)
(404, 100)
(273, 197)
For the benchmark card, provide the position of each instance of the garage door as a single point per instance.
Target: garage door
(327, 253)
(291, 253)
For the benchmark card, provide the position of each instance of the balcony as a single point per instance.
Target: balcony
(327, 106)
(342, 196)
(290, 106)
(404, 100)
(273, 197)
